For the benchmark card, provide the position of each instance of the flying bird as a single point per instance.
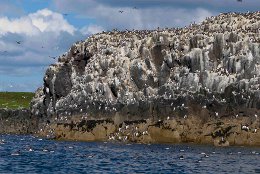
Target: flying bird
(18, 42)
(135, 8)
(120, 11)
(239, 0)
(52, 57)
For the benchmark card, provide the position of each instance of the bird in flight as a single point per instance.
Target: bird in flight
(135, 8)
(239, 0)
(52, 57)
(18, 42)
(120, 11)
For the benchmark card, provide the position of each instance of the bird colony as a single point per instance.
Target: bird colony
(210, 69)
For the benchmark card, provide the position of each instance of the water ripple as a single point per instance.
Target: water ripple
(27, 154)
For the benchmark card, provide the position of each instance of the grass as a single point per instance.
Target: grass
(15, 100)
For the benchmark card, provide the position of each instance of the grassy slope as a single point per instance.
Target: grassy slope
(14, 100)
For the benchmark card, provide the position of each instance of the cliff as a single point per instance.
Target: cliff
(194, 84)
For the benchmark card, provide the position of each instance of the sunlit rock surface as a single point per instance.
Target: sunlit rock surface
(208, 71)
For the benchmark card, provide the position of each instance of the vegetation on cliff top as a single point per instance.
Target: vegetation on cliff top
(15, 100)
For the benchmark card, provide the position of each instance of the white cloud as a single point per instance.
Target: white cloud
(20, 26)
(48, 21)
(36, 23)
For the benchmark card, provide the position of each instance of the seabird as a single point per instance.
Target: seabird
(16, 153)
(244, 127)
(52, 57)
(18, 42)
(120, 11)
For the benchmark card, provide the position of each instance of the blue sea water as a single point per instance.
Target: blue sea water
(28, 154)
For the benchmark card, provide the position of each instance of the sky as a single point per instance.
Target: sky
(34, 31)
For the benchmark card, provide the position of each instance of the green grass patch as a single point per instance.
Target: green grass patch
(15, 100)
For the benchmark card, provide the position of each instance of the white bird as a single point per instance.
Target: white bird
(244, 127)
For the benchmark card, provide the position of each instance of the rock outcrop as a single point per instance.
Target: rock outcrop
(207, 72)
(17, 121)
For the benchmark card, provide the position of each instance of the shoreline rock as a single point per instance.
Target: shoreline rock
(218, 132)
(17, 121)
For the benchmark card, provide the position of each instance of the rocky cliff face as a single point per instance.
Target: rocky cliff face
(208, 71)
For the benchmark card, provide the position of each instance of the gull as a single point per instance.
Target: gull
(18, 42)
(120, 11)
(30, 150)
(244, 127)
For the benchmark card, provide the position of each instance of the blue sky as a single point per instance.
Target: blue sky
(44, 30)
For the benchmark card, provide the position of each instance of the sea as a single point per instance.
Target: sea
(30, 154)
